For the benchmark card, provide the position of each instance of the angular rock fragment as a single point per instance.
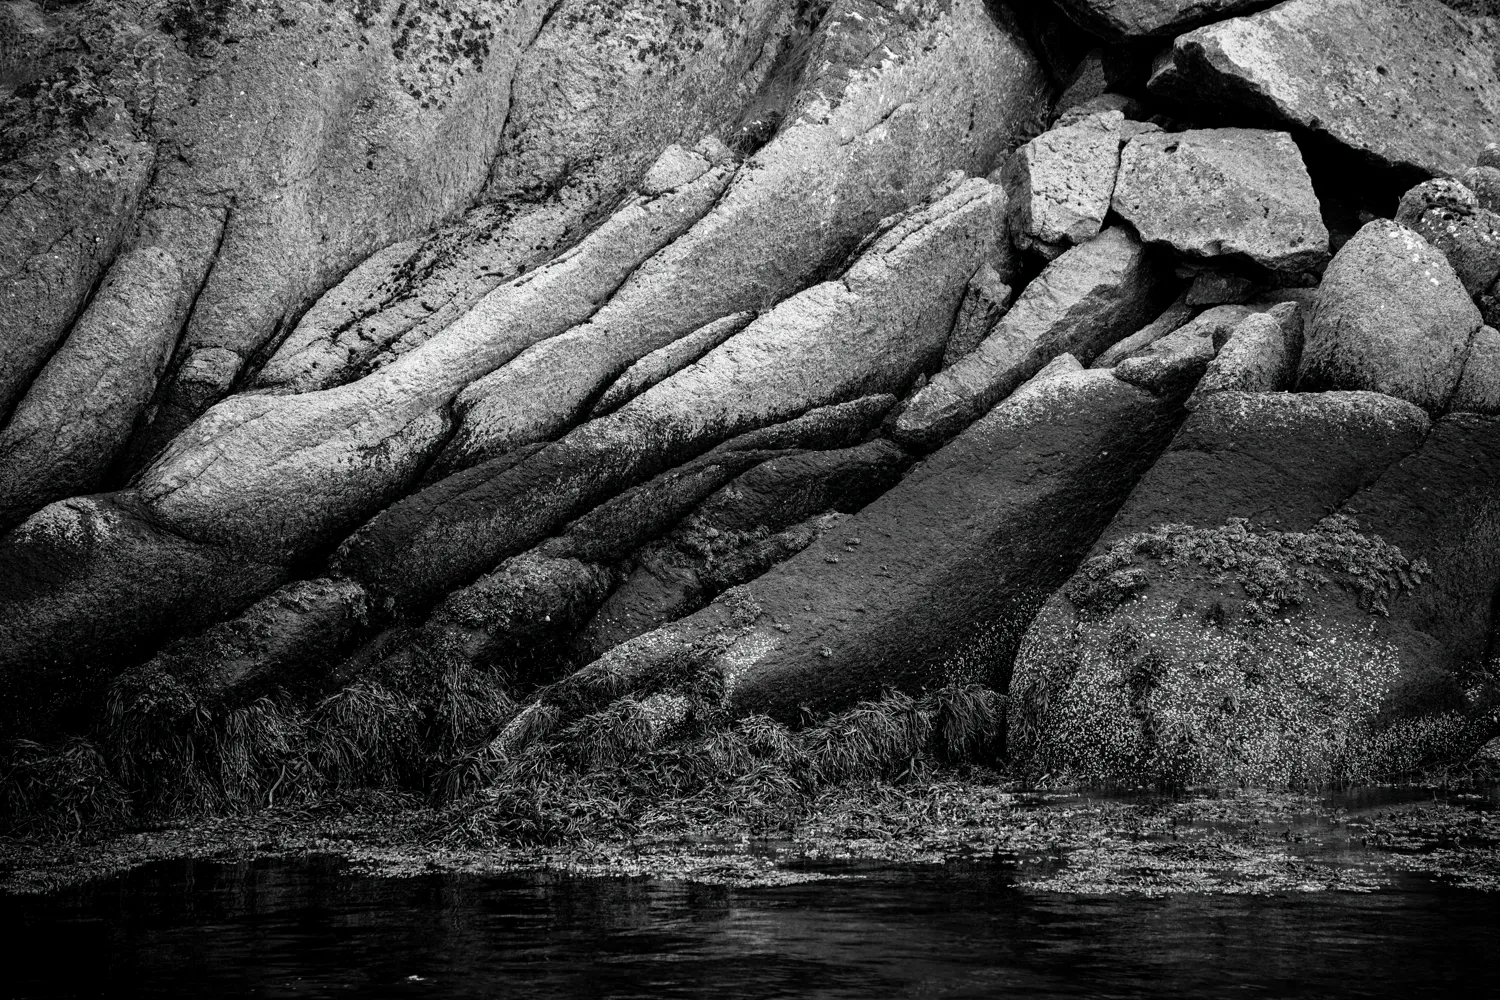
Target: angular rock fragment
(1145, 18)
(947, 565)
(1448, 215)
(985, 302)
(1229, 192)
(1409, 84)
(1260, 355)
(1391, 316)
(872, 331)
(1084, 301)
(1172, 365)
(1171, 318)
(1059, 184)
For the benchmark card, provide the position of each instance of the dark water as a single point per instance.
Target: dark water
(310, 928)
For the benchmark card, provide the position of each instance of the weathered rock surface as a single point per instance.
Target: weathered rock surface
(1059, 184)
(79, 412)
(1448, 215)
(1084, 301)
(1228, 192)
(1260, 355)
(1172, 365)
(947, 565)
(1282, 460)
(1485, 183)
(898, 126)
(87, 583)
(871, 331)
(668, 361)
(1137, 18)
(707, 553)
(1216, 288)
(1410, 84)
(1479, 387)
(1171, 318)
(1391, 316)
(985, 300)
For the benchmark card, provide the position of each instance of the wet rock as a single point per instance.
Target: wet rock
(277, 474)
(1084, 301)
(948, 565)
(87, 583)
(1059, 184)
(1260, 355)
(1240, 193)
(1391, 316)
(668, 361)
(77, 415)
(879, 121)
(723, 539)
(1447, 215)
(1138, 18)
(1479, 387)
(985, 302)
(1409, 84)
(869, 332)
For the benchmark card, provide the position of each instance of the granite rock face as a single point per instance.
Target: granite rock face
(1391, 316)
(1236, 193)
(1060, 183)
(1409, 84)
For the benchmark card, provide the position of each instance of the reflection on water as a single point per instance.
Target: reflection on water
(310, 928)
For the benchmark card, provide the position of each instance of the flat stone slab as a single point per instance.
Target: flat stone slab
(1227, 192)
(1408, 83)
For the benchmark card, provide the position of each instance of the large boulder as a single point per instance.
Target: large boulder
(872, 331)
(1228, 192)
(1409, 84)
(1479, 388)
(940, 575)
(1448, 215)
(1146, 18)
(1391, 316)
(1225, 651)
(1084, 301)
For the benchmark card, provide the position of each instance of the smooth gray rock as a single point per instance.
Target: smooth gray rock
(1408, 83)
(1260, 355)
(1146, 18)
(1084, 301)
(1230, 192)
(1392, 317)
(668, 361)
(1059, 184)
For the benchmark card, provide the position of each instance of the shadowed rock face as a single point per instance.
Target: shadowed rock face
(1408, 83)
(1136, 18)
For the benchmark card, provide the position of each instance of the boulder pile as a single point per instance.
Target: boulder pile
(480, 367)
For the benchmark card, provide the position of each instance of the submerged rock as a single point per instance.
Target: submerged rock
(1409, 84)
(1391, 316)
(1228, 192)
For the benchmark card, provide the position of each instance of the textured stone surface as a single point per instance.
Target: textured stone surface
(1060, 183)
(1084, 301)
(1448, 215)
(1391, 316)
(985, 301)
(1172, 365)
(1260, 355)
(1409, 83)
(946, 567)
(1479, 388)
(1485, 183)
(668, 361)
(1137, 18)
(1172, 317)
(1239, 193)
